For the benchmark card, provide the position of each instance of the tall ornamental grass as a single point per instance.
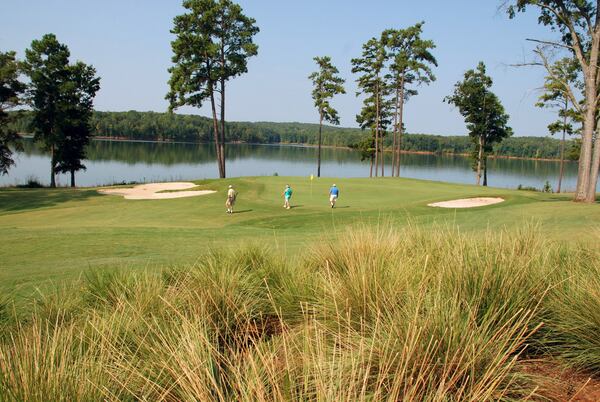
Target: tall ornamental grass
(377, 314)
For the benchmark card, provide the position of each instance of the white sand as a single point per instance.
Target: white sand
(150, 191)
(468, 202)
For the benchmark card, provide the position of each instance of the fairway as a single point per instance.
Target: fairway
(52, 236)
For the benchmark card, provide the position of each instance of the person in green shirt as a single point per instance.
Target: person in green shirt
(287, 194)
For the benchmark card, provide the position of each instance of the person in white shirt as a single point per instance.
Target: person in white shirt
(231, 196)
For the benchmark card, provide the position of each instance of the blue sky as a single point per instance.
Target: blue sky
(128, 41)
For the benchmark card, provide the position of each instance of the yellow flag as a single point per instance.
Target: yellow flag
(312, 177)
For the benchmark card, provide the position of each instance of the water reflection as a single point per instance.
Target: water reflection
(115, 161)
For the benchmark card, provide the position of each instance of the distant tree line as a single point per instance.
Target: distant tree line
(152, 126)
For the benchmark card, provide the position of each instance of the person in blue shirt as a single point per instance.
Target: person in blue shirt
(287, 194)
(334, 193)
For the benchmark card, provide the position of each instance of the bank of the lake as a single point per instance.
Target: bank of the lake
(144, 161)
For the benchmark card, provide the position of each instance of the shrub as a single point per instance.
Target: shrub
(32, 182)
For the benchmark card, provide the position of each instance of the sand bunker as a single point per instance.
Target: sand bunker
(150, 191)
(468, 202)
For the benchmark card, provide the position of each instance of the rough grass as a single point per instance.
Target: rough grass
(375, 314)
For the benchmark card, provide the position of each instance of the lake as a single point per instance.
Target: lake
(119, 161)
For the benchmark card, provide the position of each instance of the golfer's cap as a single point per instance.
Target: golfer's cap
(334, 185)
(230, 186)
(287, 185)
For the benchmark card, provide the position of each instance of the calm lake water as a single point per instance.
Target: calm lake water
(115, 161)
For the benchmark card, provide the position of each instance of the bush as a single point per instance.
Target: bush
(527, 188)
(32, 182)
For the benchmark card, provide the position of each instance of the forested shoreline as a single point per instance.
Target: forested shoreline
(153, 126)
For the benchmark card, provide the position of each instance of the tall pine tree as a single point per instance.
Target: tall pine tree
(326, 84)
(214, 40)
(411, 62)
(372, 85)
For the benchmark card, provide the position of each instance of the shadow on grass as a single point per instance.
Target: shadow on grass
(243, 211)
(16, 200)
(557, 198)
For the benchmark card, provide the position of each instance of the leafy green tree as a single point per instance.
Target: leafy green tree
(213, 43)
(79, 96)
(326, 84)
(562, 74)
(366, 147)
(483, 113)
(578, 22)
(47, 65)
(61, 96)
(372, 85)
(11, 90)
(411, 62)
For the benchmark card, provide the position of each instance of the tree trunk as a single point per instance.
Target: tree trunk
(72, 177)
(591, 195)
(382, 156)
(401, 126)
(52, 167)
(589, 125)
(371, 171)
(216, 132)
(479, 160)
(319, 143)
(376, 129)
(485, 160)
(222, 142)
(394, 154)
(562, 150)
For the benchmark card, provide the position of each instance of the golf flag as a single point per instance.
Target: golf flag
(312, 177)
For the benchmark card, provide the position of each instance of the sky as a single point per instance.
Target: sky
(128, 42)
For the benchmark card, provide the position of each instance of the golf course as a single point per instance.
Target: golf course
(50, 236)
(315, 201)
(383, 296)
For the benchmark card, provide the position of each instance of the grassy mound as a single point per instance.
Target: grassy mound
(375, 314)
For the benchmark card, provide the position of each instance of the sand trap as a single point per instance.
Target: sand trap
(468, 202)
(150, 191)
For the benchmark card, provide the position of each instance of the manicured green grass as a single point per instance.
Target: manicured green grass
(52, 236)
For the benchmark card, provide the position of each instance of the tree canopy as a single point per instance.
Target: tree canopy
(11, 90)
(578, 22)
(483, 113)
(410, 64)
(376, 112)
(61, 96)
(214, 40)
(326, 84)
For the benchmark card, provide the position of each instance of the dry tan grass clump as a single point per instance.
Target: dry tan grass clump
(378, 314)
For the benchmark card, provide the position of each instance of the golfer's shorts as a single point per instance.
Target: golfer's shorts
(333, 198)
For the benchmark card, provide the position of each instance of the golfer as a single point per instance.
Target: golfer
(287, 194)
(231, 196)
(334, 193)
